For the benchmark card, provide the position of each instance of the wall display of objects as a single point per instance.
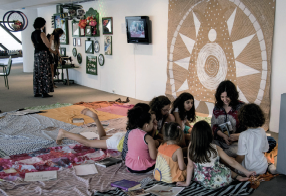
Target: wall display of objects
(79, 58)
(96, 46)
(101, 60)
(74, 52)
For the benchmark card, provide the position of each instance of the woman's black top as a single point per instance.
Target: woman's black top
(38, 42)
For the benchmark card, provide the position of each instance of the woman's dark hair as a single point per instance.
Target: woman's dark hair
(251, 115)
(201, 138)
(57, 32)
(179, 103)
(138, 116)
(228, 87)
(39, 22)
(157, 103)
(172, 132)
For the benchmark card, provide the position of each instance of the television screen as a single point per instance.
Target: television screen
(138, 29)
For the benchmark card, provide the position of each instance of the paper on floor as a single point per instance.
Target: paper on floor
(87, 169)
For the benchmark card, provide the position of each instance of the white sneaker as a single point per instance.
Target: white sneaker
(271, 168)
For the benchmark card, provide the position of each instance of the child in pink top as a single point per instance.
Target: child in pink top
(142, 152)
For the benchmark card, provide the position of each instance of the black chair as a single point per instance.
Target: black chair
(6, 71)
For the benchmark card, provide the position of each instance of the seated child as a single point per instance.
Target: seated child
(252, 143)
(170, 166)
(142, 152)
(203, 161)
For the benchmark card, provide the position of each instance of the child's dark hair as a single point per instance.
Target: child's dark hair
(138, 116)
(57, 32)
(179, 103)
(157, 103)
(201, 138)
(172, 132)
(228, 87)
(251, 115)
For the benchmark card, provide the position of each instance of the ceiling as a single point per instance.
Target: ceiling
(20, 4)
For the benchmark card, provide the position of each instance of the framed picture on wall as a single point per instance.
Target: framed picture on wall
(63, 51)
(75, 29)
(108, 45)
(63, 24)
(78, 41)
(89, 46)
(74, 41)
(107, 25)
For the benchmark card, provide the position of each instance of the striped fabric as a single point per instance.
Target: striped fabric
(236, 188)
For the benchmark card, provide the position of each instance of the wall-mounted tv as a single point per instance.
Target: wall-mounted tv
(138, 29)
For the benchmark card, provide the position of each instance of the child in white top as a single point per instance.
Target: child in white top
(252, 143)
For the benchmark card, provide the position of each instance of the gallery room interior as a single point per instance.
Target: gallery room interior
(75, 74)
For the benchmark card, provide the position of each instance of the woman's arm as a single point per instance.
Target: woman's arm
(180, 159)
(233, 163)
(45, 40)
(190, 169)
(151, 146)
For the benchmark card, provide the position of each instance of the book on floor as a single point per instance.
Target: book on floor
(108, 162)
(82, 170)
(161, 190)
(77, 120)
(138, 192)
(124, 184)
(41, 176)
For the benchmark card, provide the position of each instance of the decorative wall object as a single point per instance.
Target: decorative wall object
(96, 46)
(101, 60)
(74, 52)
(90, 21)
(89, 46)
(107, 25)
(63, 24)
(79, 58)
(63, 51)
(74, 41)
(78, 41)
(75, 29)
(91, 65)
(108, 45)
(216, 40)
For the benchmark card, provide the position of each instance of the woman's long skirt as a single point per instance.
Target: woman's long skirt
(42, 78)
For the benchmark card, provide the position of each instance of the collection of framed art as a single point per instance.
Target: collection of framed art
(91, 45)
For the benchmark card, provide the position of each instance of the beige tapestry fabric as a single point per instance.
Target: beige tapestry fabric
(210, 41)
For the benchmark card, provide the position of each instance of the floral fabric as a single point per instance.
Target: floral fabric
(42, 78)
(212, 175)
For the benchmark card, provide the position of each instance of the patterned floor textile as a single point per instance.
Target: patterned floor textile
(48, 159)
(66, 114)
(117, 109)
(97, 104)
(47, 107)
(236, 188)
(28, 133)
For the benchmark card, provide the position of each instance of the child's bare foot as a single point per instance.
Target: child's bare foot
(241, 179)
(60, 137)
(89, 113)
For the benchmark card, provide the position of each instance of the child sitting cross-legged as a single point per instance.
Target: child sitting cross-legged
(170, 166)
(203, 161)
(252, 143)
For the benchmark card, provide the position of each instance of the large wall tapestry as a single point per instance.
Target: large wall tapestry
(210, 41)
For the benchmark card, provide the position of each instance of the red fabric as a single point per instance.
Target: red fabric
(117, 109)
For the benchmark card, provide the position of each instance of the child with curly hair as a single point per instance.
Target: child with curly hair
(252, 143)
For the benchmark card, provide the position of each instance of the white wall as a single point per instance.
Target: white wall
(278, 77)
(137, 71)
(27, 45)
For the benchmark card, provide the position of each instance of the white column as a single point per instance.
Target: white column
(27, 45)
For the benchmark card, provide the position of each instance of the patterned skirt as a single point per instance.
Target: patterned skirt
(42, 78)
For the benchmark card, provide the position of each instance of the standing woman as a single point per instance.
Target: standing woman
(54, 54)
(226, 111)
(42, 77)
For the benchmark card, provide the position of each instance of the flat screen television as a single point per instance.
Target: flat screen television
(138, 29)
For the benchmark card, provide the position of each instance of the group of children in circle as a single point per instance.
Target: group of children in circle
(159, 137)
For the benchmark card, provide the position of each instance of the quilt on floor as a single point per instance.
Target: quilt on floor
(28, 133)
(117, 109)
(66, 114)
(236, 188)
